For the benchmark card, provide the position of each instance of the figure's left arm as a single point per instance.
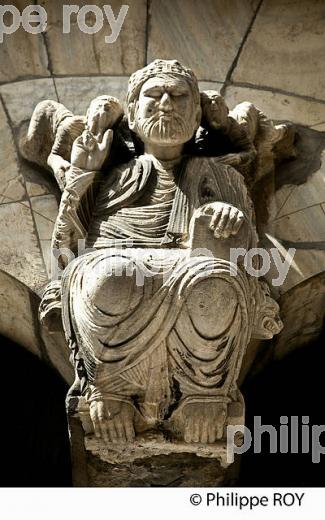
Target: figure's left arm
(224, 198)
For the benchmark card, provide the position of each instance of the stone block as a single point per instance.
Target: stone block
(58, 353)
(76, 93)
(22, 54)
(20, 253)
(38, 182)
(280, 198)
(21, 98)
(302, 309)
(280, 106)
(285, 48)
(45, 210)
(204, 35)
(210, 85)
(152, 464)
(303, 230)
(150, 461)
(79, 53)
(11, 181)
(17, 302)
(308, 194)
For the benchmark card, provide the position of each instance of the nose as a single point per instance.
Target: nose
(165, 103)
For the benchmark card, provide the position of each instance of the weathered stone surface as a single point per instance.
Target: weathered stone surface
(58, 353)
(17, 313)
(76, 93)
(285, 48)
(11, 181)
(303, 230)
(38, 182)
(210, 85)
(20, 254)
(302, 226)
(310, 193)
(281, 107)
(22, 54)
(22, 97)
(80, 53)
(205, 36)
(166, 466)
(150, 461)
(296, 218)
(303, 309)
(45, 210)
(19, 323)
(280, 197)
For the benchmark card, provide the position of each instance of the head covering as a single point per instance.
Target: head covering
(157, 68)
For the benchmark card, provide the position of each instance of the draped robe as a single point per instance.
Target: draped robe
(131, 302)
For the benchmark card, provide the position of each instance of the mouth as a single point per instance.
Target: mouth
(162, 115)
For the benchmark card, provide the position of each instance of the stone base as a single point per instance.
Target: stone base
(151, 461)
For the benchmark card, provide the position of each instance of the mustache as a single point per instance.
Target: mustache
(166, 126)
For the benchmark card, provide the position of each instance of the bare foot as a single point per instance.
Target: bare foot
(113, 420)
(202, 422)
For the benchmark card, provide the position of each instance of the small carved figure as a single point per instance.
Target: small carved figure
(243, 137)
(53, 129)
(222, 134)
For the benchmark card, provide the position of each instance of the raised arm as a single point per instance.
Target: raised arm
(87, 157)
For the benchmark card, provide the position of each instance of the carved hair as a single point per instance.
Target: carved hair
(160, 68)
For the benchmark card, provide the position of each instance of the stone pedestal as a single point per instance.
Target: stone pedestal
(150, 461)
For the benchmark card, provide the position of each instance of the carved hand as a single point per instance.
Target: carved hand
(89, 152)
(226, 220)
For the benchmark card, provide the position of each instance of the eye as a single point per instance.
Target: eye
(155, 94)
(179, 93)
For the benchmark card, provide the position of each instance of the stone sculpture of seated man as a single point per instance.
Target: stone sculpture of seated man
(157, 321)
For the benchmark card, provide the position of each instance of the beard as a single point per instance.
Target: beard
(164, 129)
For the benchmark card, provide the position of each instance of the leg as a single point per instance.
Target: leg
(202, 351)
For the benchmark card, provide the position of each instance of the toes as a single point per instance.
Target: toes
(112, 430)
(204, 433)
(211, 434)
(196, 430)
(120, 430)
(129, 431)
(188, 431)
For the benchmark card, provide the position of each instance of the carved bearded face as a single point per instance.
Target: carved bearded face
(165, 112)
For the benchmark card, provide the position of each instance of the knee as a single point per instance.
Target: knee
(212, 305)
(112, 287)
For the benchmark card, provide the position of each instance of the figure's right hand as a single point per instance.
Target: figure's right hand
(89, 152)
